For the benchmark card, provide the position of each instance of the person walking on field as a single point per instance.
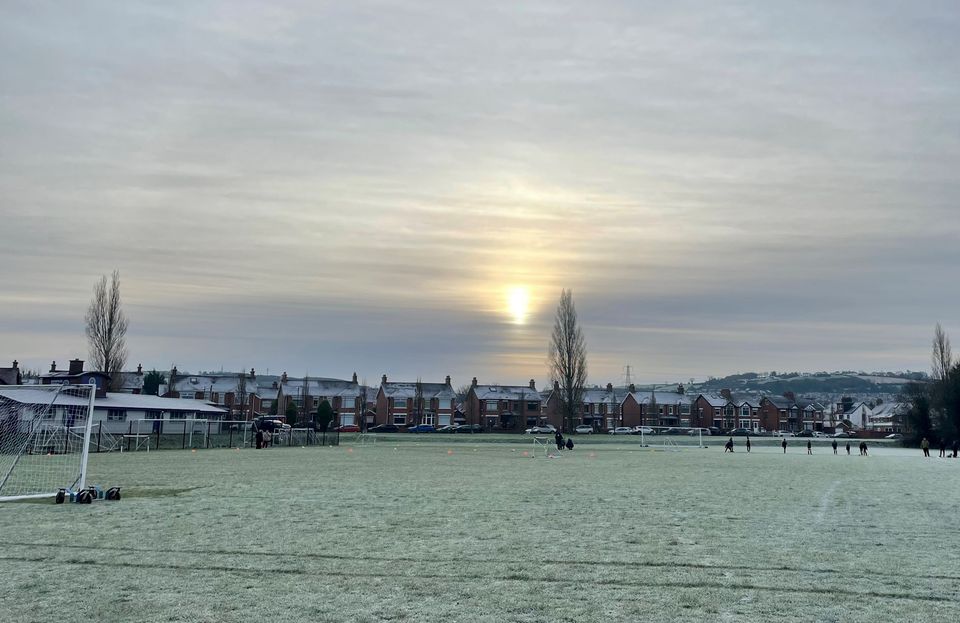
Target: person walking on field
(728, 447)
(809, 447)
(943, 448)
(259, 439)
(848, 448)
(783, 444)
(925, 446)
(834, 444)
(559, 439)
(956, 447)
(748, 444)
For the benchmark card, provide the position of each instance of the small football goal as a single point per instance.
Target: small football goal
(44, 439)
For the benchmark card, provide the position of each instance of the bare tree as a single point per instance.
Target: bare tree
(942, 355)
(463, 393)
(107, 329)
(362, 399)
(568, 359)
(240, 398)
(417, 410)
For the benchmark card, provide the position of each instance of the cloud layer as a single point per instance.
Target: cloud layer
(358, 186)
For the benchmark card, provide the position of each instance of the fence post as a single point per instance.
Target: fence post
(183, 437)
(99, 432)
(230, 439)
(208, 434)
(129, 432)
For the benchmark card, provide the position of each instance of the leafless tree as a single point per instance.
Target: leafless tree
(240, 398)
(942, 355)
(362, 399)
(417, 410)
(463, 393)
(107, 329)
(567, 358)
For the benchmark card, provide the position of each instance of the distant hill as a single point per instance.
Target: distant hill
(820, 383)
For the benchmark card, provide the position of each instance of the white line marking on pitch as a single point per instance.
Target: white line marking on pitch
(825, 501)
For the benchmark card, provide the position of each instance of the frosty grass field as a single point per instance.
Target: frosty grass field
(449, 529)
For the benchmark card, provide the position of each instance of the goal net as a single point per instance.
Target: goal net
(44, 439)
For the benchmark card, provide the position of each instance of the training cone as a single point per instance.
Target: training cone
(449, 452)
(525, 453)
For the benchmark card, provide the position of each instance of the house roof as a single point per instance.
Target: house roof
(317, 387)
(662, 398)
(890, 409)
(409, 390)
(10, 376)
(714, 400)
(136, 402)
(506, 392)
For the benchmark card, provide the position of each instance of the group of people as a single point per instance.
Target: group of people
(728, 447)
(263, 438)
(925, 446)
(561, 444)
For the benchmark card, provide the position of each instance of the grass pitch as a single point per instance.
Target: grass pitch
(450, 529)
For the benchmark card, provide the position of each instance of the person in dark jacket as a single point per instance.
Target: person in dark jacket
(956, 447)
(834, 444)
(728, 447)
(559, 439)
(783, 444)
(943, 448)
(259, 437)
(748, 443)
(809, 447)
(848, 448)
(569, 443)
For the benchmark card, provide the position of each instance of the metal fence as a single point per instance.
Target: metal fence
(200, 434)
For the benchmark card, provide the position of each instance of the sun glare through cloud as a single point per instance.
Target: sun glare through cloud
(518, 304)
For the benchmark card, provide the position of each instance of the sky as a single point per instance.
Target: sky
(405, 188)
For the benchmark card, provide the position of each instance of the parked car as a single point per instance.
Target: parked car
(646, 430)
(546, 429)
(740, 432)
(783, 433)
(715, 431)
(673, 430)
(422, 428)
(894, 436)
(840, 434)
(347, 428)
(469, 428)
(384, 428)
(449, 428)
(696, 432)
(805, 433)
(622, 430)
(817, 433)
(583, 429)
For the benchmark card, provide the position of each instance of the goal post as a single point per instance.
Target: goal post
(45, 433)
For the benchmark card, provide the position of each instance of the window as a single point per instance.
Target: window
(348, 403)
(685, 409)
(533, 406)
(428, 418)
(443, 420)
(399, 419)
(491, 406)
(178, 415)
(744, 410)
(400, 403)
(117, 415)
(347, 420)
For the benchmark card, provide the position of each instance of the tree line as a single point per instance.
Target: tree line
(934, 407)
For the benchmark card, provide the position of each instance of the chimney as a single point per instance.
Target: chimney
(274, 385)
(533, 384)
(383, 379)
(681, 389)
(354, 378)
(447, 380)
(610, 387)
(53, 366)
(633, 388)
(726, 394)
(76, 366)
(253, 373)
(16, 364)
(283, 377)
(473, 383)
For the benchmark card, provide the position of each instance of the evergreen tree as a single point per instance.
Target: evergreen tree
(152, 382)
(324, 415)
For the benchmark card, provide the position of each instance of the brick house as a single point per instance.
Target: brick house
(505, 407)
(653, 408)
(600, 409)
(11, 376)
(790, 414)
(234, 392)
(347, 398)
(396, 403)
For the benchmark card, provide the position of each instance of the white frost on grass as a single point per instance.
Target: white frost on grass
(451, 530)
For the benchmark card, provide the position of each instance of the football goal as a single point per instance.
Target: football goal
(44, 439)
(673, 439)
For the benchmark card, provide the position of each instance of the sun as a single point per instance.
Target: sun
(518, 304)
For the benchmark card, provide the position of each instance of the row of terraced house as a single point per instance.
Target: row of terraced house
(495, 407)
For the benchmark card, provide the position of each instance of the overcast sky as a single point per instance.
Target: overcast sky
(405, 187)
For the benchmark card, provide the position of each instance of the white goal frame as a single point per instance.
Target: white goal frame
(40, 411)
